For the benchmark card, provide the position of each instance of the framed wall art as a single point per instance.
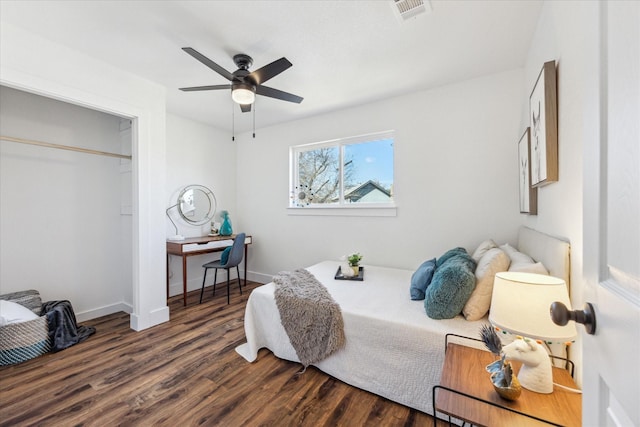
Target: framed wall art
(528, 194)
(543, 116)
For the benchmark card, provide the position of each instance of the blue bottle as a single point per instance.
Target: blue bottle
(225, 228)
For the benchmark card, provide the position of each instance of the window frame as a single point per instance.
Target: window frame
(341, 208)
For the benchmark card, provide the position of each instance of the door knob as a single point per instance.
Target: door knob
(561, 315)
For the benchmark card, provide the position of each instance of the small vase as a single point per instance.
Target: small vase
(510, 393)
(346, 269)
(356, 269)
(225, 228)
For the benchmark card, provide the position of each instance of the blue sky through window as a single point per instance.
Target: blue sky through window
(373, 160)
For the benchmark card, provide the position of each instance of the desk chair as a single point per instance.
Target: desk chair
(234, 259)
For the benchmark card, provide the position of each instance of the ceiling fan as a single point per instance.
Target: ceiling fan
(244, 84)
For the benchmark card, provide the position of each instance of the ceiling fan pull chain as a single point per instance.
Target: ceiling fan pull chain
(254, 120)
(233, 123)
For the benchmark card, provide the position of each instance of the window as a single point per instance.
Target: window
(355, 172)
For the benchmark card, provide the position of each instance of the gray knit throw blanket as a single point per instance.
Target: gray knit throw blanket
(310, 316)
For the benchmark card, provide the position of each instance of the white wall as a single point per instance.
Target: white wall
(198, 154)
(83, 80)
(456, 179)
(566, 34)
(60, 216)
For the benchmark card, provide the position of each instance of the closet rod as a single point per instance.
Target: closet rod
(64, 147)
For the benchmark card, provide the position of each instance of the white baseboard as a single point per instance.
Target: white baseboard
(104, 311)
(196, 284)
(137, 323)
(174, 289)
(259, 277)
(154, 317)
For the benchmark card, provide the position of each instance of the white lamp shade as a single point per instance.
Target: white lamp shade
(243, 96)
(521, 302)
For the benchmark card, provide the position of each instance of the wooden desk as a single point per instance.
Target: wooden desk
(198, 246)
(464, 372)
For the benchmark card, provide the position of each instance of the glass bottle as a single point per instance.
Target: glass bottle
(225, 228)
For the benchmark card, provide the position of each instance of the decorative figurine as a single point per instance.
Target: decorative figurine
(535, 373)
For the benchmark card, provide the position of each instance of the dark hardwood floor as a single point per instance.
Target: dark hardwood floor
(181, 373)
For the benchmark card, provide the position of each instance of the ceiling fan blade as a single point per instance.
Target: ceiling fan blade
(263, 74)
(278, 94)
(214, 87)
(245, 108)
(209, 63)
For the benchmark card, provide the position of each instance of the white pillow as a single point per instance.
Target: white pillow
(483, 248)
(536, 267)
(12, 312)
(508, 249)
(522, 262)
(492, 262)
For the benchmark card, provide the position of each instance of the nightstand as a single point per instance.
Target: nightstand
(466, 393)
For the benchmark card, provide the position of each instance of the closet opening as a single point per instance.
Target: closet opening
(66, 203)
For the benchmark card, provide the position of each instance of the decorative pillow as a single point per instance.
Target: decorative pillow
(225, 255)
(12, 312)
(421, 279)
(520, 258)
(450, 288)
(522, 262)
(493, 261)
(450, 253)
(483, 248)
(29, 298)
(508, 249)
(537, 268)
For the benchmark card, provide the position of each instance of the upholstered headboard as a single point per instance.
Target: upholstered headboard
(553, 252)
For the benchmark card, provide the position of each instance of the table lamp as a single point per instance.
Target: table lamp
(520, 305)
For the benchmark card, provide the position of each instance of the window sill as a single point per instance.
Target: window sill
(365, 210)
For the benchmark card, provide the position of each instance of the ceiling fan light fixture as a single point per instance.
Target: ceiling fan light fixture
(243, 94)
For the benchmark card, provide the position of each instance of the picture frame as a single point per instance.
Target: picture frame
(543, 117)
(528, 194)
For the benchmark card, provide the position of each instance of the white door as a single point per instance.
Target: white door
(611, 374)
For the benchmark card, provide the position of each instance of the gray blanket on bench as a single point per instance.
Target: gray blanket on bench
(309, 315)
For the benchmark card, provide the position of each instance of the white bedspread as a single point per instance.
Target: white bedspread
(393, 349)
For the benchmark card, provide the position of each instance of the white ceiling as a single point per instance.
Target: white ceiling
(344, 53)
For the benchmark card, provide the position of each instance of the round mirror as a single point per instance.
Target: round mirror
(196, 204)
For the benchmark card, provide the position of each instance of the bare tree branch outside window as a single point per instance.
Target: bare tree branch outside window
(319, 170)
(344, 172)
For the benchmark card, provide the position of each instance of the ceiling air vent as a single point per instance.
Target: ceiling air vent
(407, 9)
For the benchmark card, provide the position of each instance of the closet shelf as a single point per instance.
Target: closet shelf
(64, 147)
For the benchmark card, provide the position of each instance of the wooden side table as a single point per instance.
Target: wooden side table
(466, 393)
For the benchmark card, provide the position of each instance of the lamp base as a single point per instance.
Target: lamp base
(177, 237)
(542, 385)
(535, 374)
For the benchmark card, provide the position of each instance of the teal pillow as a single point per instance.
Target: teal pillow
(450, 253)
(451, 286)
(465, 259)
(421, 279)
(225, 255)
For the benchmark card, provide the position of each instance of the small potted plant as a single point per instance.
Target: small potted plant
(354, 262)
(504, 382)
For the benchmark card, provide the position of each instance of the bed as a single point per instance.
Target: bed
(392, 348)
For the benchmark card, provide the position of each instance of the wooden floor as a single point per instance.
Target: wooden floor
(181, 373)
